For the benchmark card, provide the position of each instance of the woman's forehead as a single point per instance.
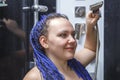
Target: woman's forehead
(60, 24)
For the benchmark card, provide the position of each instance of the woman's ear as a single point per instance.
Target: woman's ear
(43, 41)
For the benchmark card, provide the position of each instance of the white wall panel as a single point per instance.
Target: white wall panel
(68, 7)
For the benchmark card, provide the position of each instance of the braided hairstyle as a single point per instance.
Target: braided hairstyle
(45, 65)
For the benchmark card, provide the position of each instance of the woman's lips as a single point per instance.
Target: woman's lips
(70, 48)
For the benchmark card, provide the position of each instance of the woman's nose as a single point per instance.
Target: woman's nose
(72, 39)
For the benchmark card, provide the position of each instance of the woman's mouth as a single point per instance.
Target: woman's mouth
(70, 48)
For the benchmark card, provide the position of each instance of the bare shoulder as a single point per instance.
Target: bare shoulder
(33, 74)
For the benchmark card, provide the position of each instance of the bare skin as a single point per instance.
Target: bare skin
(34, 74)
(60, 52)
(13, 27)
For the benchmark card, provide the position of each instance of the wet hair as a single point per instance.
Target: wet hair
(45, 65)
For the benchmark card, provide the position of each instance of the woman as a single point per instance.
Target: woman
(54, 46)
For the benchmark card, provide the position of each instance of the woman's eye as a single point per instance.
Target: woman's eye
(63, 35)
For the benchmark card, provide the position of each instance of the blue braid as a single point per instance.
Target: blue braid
(45, 65)
(79, 69)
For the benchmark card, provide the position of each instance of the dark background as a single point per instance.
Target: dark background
(14, 66)
(112, 40)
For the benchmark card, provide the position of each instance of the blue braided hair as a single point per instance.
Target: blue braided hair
(45, 65)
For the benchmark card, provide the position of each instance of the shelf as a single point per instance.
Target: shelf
(2, 5)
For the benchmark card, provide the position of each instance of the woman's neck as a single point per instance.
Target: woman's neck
(62, 65)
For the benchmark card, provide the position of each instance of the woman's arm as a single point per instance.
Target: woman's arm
(13, 27)
(87, 54)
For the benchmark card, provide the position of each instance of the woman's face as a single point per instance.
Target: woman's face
(61, 41)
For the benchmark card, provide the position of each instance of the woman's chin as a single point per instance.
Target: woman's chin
(70, 57)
